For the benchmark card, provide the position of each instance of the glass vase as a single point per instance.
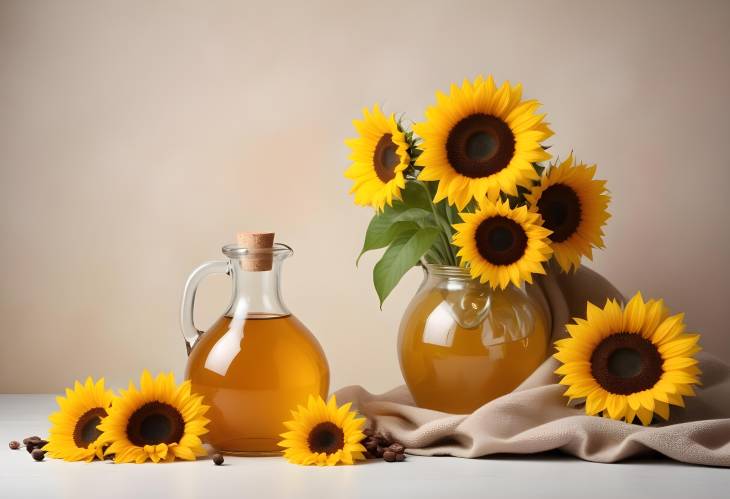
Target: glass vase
(462, 343)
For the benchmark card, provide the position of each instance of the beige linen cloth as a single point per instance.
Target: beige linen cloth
(535, 418)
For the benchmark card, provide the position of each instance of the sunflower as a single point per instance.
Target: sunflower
(502, 244)
(631, 362)
(379, 155)
(323, 434)
(480, 140)
(74, 435)
(573, 205)
(161, 421)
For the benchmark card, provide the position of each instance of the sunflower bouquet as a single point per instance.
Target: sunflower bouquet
(472, 186)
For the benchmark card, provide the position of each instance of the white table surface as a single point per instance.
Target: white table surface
(546, 475)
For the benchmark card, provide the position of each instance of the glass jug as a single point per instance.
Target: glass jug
(257, 361)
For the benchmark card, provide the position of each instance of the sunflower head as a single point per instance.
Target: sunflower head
(481, 140)
(160, 421)
(74, 435)
(502, 244)
(574, 207)
(323, 434)
(379, 158)
(630, 362)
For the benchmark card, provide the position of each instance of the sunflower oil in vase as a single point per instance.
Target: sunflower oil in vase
(462, 344)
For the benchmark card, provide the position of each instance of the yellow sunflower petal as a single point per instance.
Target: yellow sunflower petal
(596, 402)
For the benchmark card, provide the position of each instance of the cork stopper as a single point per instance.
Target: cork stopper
(256, 261)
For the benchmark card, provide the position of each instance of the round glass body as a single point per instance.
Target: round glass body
(257, 362)
(462, 344)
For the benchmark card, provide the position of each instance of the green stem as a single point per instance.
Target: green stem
(437, 253)
(444, 241)
(448, 218)
(448, 253)
(451, 212)
(432, 256)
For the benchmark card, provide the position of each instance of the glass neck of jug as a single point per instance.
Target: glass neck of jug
(256, 276)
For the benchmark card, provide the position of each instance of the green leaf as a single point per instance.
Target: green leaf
(414, 196)
(382, 231)
(402, 254)
(386, 226)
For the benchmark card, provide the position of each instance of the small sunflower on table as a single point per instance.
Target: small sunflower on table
(159, 422)
(475, 185)
(324, 434)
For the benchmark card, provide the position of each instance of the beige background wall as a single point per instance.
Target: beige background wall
(137, 137)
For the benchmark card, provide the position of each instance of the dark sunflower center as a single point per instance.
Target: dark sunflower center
(385, 158)
(626, 363)
(326, 437)
(500, 240)
(480, 145)
(559, 206)
(155, 423)
(85, 431)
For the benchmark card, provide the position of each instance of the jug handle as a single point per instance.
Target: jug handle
(189, 331)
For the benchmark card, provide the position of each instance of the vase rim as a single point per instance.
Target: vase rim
(448, 271)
